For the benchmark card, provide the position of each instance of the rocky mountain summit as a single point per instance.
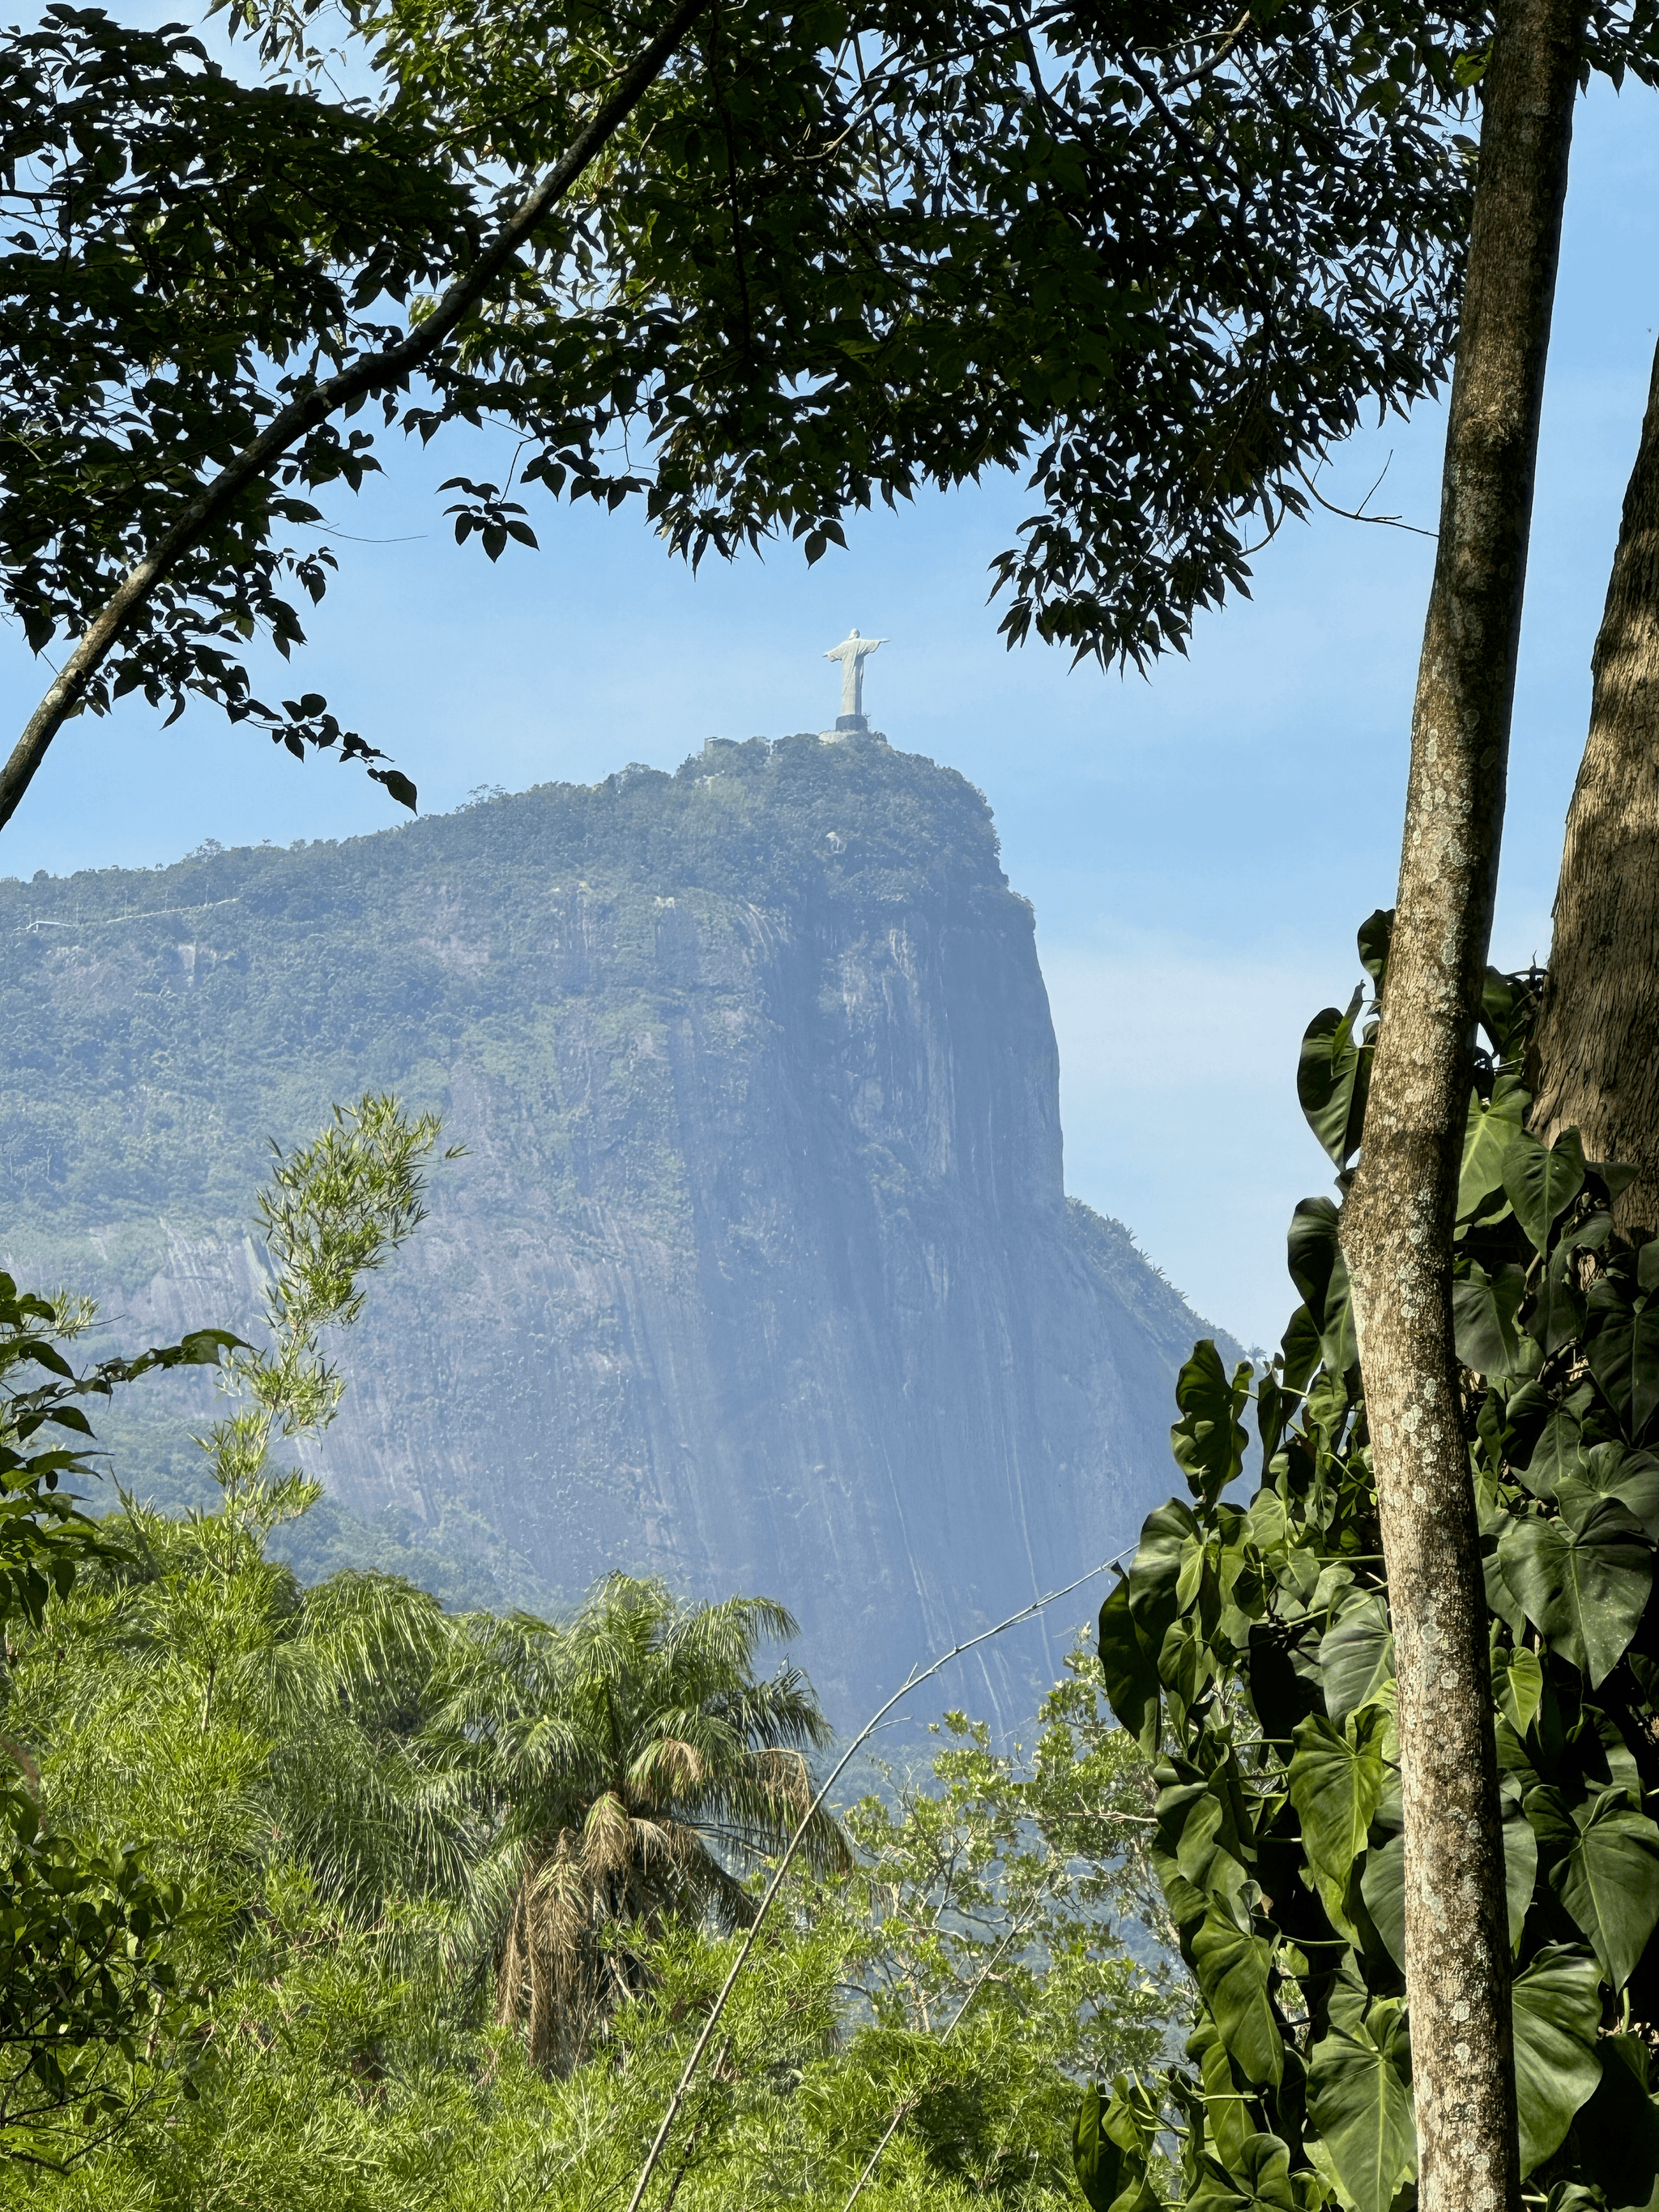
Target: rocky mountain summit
(759, 1271)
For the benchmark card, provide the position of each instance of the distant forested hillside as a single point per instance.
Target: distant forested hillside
(759, 1273)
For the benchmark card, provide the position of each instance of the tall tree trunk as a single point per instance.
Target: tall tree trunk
(1397, 1222)
(1596, 1054)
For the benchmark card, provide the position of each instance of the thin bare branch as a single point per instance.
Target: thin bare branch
(913, 1682)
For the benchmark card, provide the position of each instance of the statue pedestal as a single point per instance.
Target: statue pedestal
(850, 726)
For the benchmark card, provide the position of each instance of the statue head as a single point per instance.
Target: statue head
(853, 632)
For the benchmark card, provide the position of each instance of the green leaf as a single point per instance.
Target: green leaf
(1359, 2098)
(1557, 1306)
(1105, 2169)
(1541, 1185)
(1330, 1080)
(1520, 1866)
(1336, 1778)
(1234, 1969)
(1155, 1570)
(1130, 1670)
(1634, 1479)
(1623, 1352)
(1618, 2131)
(1489, 1130)
(1484, 1309)
(1209, 1440)
(1356, 1658)
(1518, 1680)
(1610, 1471)
(1557, 2005)
(1314, 1255)
(1227, 2121)
(1557, 1454)
(1584, 1586)
(1374, 932)
(1259, 2182)
(1609, 1882)
(1300, 1345)
(1383, 1886)
(1208, 1851)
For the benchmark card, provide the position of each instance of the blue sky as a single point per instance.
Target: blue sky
(1200, 847)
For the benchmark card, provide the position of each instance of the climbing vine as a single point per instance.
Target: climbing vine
(1250, 1648)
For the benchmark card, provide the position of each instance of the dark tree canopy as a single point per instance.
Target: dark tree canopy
(1158, 259)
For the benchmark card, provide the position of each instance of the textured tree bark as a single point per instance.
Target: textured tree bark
(1596, 1054)
(1397, 1222)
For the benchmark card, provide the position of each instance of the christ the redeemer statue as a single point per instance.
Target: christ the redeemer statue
(852, 653)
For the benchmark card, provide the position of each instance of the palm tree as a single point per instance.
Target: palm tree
(196, 1693)
(630, 1764)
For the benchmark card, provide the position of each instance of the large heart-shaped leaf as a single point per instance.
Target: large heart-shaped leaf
(1356, 1658)
(1330, 1079)
(1541, 1185)
(1630, 1477)
(1619, 2129)
(1556, 2006)
(1300, 1345)
(1359, 2098)
(1609, 1881)
(1501, 1601)
(1336, 1778)
(1622, 1347)
(1209, 1439)
(1373, 936)
(1319, 1271)
(1484, 1309)
(1557, 1306)
(1109, 2173)
(1584, 1586)
(1259, 2182)
(1556, 1454)
(1227, 2119)
(1490, 1131)
(1520, 1864)
(1518, 1684)
(1098, 2159)
(1383, 1886)
(1234, 1969)
(1155, 1571)
(1208, 1851)
(1129, 1668)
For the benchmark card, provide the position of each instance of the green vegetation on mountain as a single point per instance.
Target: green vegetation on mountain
(163, 1023)
(760, 1245)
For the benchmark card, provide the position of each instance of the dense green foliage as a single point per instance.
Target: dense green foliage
(1161, 258)
(159, 1024)
(1249, 1650)
(457, 1885)
(87, 1983)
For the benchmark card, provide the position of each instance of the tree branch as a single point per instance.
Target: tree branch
(371, 373)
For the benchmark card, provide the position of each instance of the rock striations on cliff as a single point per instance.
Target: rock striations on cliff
(759, 1271)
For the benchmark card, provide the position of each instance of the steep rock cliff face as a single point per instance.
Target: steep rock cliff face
(759, 1271)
